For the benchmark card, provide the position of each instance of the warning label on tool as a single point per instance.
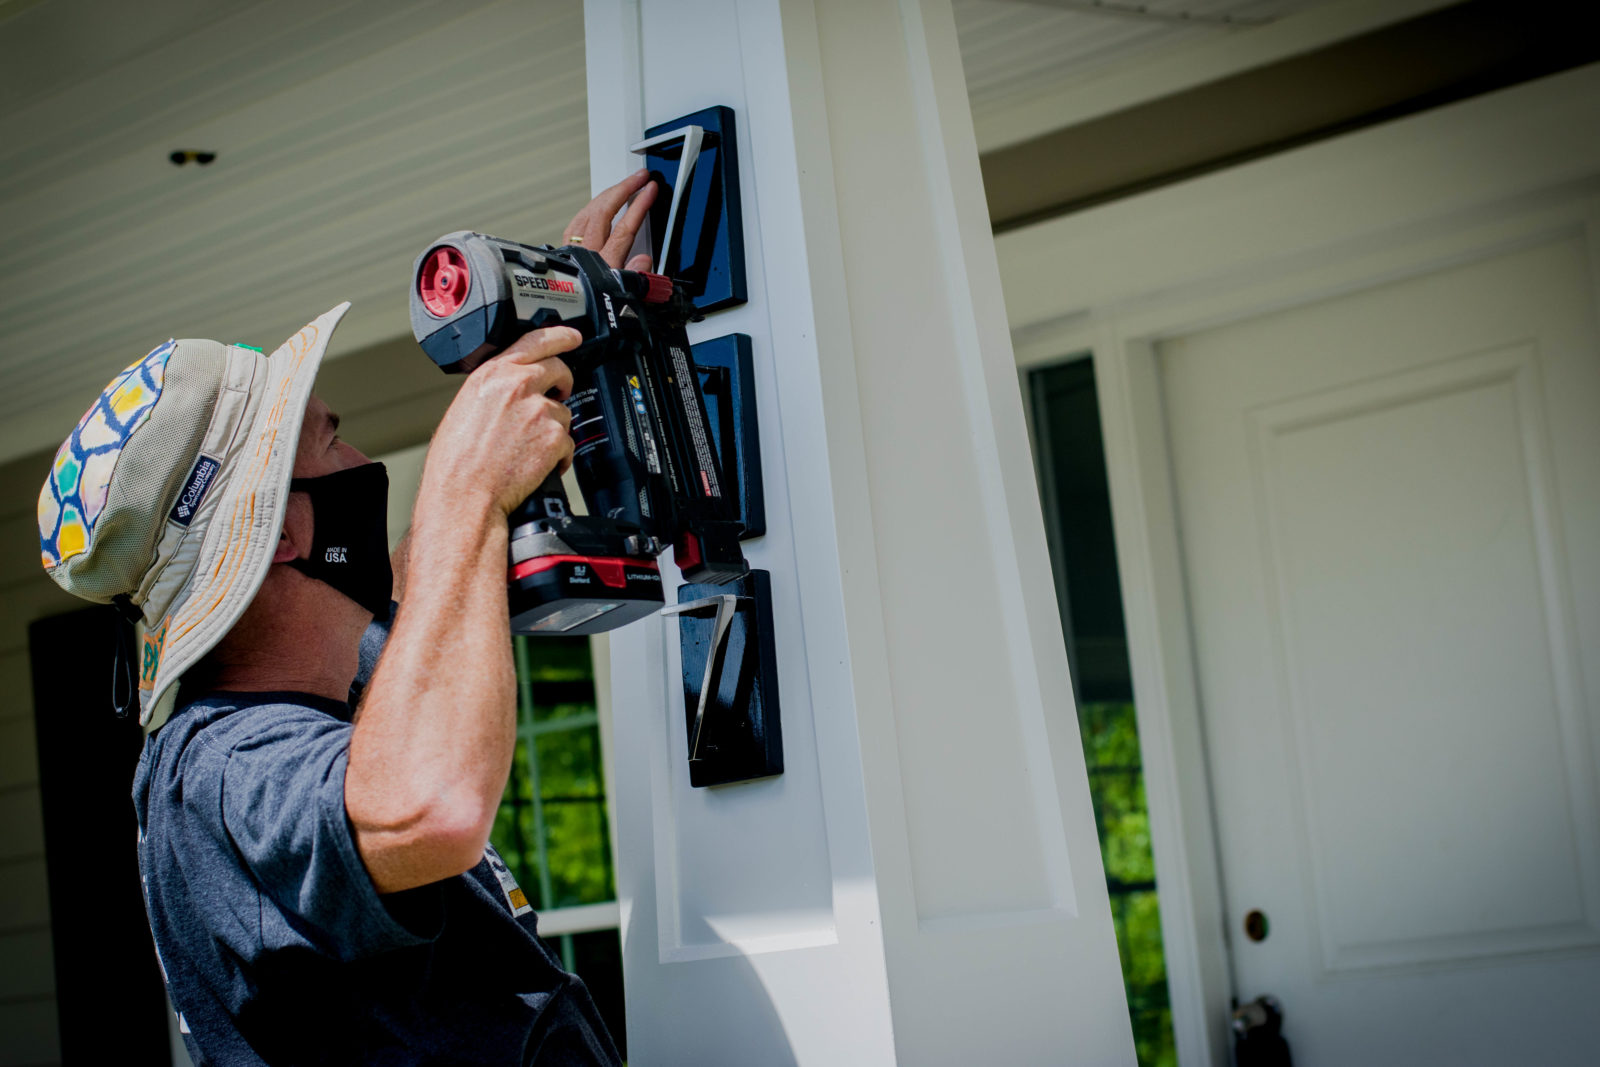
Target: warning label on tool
(693, 415)
(639, 420)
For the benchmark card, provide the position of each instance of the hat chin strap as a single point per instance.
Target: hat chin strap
(124, 669)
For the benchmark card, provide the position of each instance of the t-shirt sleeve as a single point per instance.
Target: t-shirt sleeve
(283, 809)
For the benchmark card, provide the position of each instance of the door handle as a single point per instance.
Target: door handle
(1258, 1034)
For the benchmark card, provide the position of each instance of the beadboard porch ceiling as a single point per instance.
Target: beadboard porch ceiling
(347, 133)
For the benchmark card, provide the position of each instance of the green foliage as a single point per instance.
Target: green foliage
(551, 828)
(558, 659)
(1110, 736)
(578, 845)
(1116, 786)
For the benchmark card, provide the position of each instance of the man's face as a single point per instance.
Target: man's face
(320, 450)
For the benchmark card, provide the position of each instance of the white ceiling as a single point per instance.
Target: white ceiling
(347, 134)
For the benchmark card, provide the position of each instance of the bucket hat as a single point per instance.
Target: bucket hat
(168, 496)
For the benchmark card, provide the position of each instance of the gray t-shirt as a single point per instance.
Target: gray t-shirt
(275, 946)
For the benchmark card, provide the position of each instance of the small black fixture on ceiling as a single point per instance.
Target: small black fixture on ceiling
(180, 156)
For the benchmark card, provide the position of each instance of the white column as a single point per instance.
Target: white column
(923, 884)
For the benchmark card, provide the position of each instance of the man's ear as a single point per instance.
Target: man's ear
(286, 549)
(294, 538)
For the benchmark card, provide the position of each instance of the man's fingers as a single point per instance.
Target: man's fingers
(608, 202)
(594, 220)
(551, 377)
(561, 414)
(640, 262)
(535, 345)
(565, 462)
(560, 444)
(616, 247)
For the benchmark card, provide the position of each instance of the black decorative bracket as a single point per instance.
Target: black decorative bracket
(730, 680)
(727, 382)
(697, 228)
(730, 676)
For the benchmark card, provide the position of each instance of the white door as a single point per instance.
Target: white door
(1389, 506)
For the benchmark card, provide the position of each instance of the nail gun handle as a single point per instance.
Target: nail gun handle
(549, 501)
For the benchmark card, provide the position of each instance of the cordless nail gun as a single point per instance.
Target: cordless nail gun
(645, 458)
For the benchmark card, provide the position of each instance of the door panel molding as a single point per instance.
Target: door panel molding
(1507, 377)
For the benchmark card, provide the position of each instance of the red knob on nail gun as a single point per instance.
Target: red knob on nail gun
(658, 287)
(442, 282)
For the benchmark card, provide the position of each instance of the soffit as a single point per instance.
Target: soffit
(347, 135)
(1378, 76)
(1019, 54)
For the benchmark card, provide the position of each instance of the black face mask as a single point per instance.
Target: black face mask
(350, 536)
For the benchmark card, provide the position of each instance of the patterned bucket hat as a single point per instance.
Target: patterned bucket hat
(167, 497)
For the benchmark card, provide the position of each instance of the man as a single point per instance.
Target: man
(320, 890)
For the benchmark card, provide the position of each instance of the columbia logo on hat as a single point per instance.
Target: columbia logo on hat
(194, 490)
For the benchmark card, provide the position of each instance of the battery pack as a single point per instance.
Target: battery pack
(582, 594)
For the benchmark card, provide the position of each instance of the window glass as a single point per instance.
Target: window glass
(1076, 499)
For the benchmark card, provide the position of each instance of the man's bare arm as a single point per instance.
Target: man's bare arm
(432, 746)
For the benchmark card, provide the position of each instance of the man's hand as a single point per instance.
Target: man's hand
(591, 227)
(507, 428)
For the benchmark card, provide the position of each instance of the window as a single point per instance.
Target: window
(1070, 455)
(1116, 788)
(552, 828)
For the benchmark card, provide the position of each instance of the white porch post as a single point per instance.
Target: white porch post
(922, 885)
